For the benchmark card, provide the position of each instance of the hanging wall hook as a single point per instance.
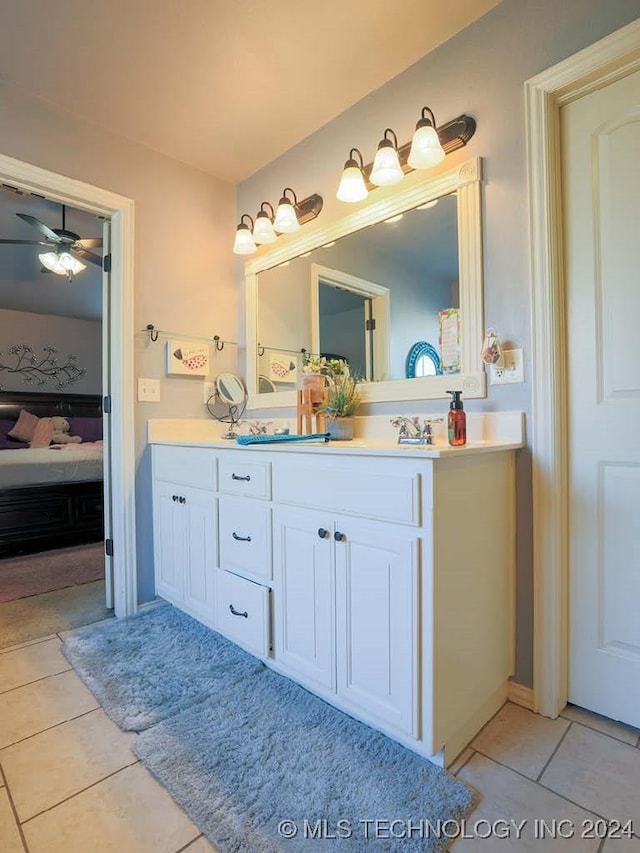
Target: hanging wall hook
(260, 350)
(153, 334)
(218, 342)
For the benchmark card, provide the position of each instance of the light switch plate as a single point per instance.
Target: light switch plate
(148, 390)
(509, 370)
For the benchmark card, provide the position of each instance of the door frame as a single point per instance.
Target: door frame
(120, 366)
(604, 62)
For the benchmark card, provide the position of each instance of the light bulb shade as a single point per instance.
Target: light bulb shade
(61, 264)
(386, 166)
(263, 229)
(426, 150)
(244, 243)
(352, 187)
(286, 221)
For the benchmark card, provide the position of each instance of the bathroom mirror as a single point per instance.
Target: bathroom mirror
(368, 286)
(230, 389)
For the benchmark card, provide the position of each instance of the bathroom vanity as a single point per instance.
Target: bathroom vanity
(379, 577)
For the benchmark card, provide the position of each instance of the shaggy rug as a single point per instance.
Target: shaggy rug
(146, 668)
(266, 767)
(34, 574)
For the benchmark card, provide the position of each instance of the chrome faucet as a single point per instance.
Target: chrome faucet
(410, 431)
(259, 428)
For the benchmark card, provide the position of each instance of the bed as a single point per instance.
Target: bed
(51, 498)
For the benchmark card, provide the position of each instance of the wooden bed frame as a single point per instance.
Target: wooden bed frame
(56, 515)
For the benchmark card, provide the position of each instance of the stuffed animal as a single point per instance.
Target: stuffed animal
(61, 429)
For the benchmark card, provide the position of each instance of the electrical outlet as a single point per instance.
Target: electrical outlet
(509, 370)
(208, 390)
(149, 390)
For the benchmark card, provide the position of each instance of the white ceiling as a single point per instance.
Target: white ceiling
(205, 81)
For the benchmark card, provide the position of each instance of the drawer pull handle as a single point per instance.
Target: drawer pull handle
(174, 497)
(237, 612)
(241, 538)
(182, 500)
(322, 533)
(246, 479)
(339, 537)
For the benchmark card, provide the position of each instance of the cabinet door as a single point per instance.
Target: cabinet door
(377, 621)
(169, 542)
(200, 512)
(303, 594)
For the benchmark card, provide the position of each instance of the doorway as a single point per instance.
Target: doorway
(118, 381)
(612, 59)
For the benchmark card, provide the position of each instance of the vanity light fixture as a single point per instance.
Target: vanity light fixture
(428, 147)
(428, 205)
(263, 229)
(393, 219)
(286, 221)
(426, 150)
(244, 242)
(352, 186)
(386, 165)
(289, 216)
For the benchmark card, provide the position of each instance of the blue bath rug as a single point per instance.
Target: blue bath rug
(266, 767)
(148, 667)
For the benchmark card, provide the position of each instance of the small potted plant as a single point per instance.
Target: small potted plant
(342, 398)
(314, 370)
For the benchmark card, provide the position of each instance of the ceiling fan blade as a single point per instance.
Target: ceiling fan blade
(86, 255)
(49, 233)
(89, 243)
(26, 242)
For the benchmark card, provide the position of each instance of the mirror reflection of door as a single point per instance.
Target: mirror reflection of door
(346, 328)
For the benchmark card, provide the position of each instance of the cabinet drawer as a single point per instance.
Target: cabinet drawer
(243, 612)
(239, 476)
(245, 536)
(369, 488)
(191, 466)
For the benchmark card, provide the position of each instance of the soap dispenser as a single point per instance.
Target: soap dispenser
(457, 423)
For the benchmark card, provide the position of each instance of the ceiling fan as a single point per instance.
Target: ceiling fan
(67, 247)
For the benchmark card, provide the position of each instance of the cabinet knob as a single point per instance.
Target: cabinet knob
(183, 500)
(339, 537)
(246, 479)
(174, 497)
(241, 538)
(322, 533)
(238, 612)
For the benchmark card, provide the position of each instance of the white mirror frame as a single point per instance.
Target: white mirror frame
(417, 188)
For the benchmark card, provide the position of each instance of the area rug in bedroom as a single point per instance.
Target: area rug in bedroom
(259, 763)
(33, 574)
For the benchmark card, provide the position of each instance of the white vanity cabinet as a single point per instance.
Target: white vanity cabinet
(381, 580)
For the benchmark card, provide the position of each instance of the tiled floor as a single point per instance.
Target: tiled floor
(70, 783)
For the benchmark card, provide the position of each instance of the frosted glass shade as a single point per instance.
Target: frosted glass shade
(286, 221)
(426, 151)
(263, 230)
(244, 243)
(61, 264)
(352, 187)
(386, 166)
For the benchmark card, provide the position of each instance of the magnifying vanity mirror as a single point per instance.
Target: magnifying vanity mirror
(394, 288)
(230, 389)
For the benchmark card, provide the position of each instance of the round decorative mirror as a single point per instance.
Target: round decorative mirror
(230, 389)
(423, 360)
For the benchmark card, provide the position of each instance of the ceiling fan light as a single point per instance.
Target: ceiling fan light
(352, 187)
(286, 221)
(386, 165)
(76, 266)
(263, 229)
(244, 243)
(51, 261)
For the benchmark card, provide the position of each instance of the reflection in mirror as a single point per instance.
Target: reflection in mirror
(366, 298)
(423, 360)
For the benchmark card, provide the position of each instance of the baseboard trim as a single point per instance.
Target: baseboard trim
(521, 695)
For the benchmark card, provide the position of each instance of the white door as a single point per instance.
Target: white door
(198, 563)
(377, 621)
(303, 594)
(601, 179)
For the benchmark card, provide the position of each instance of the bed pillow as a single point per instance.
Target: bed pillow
(43, 433)
(25, 426)
(89, 429)
(7, 443)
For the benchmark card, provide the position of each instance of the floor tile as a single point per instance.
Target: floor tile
(507, 796)
(28, 643)
(597, 772)
(126, 813)
(464, 756)
(89, 749)
(602, 724)
(35, 707)
(520, 739)
(64, 634)
(201, 845)
(10, 841)
(621, 845)
(31, 663)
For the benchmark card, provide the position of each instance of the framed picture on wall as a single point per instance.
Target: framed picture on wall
(450, 340)
(185, 358)
(281, 367)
